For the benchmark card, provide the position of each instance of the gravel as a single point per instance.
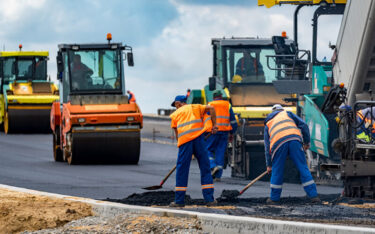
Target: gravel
(128, 223)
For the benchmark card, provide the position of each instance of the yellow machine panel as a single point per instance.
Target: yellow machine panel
(271, 3)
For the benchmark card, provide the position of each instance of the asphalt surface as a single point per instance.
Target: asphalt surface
(26, 160)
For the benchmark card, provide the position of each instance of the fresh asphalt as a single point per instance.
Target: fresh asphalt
(27, 161)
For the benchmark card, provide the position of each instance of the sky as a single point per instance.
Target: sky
(171, 39)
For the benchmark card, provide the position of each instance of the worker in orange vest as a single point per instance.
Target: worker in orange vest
(188, 93)
(188, 122)
(131, 97)
(217, 144)
(287, 134)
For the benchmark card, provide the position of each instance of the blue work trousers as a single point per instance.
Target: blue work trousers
(217, 145)
(185, 152)
(296, 153)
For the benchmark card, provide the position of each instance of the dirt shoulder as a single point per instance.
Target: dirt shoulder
(22, 211)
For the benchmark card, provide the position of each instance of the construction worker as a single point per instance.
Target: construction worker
(217, 144)
(131, 96)
(81, 74)
(188, 93)
(188, 124)
(284, 133)
(249, 67)
(366, 117)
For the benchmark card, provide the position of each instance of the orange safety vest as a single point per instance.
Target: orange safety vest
(367, 120)
(281, 126)
(222, 114)
(190, 123)
(132, 99)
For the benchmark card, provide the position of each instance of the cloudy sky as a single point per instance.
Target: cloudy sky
(170, 38)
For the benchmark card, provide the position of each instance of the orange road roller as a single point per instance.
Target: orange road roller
(94, 122)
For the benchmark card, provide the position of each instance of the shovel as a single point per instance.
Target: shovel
(231, 194)
(156, 187)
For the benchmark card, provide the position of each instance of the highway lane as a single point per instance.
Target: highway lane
(27, 161)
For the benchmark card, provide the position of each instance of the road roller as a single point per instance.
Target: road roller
(26, 93)
(93, 122)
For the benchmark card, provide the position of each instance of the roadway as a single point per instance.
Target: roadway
(26, 161)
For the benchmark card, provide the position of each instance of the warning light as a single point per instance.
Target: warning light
(283, 34)
(109, 37)
(342, 85)
(20, 46)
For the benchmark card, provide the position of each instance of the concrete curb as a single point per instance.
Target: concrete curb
(215, 223)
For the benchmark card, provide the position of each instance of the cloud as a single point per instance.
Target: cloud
(171, 39)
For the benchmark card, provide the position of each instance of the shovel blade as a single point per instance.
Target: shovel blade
(155, 187)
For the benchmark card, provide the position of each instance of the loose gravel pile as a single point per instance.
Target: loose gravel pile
(127, 223)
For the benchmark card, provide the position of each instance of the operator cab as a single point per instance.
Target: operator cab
(22, 67)
(246, 67)
(92, 69)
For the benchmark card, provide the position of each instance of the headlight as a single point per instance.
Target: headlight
(130, 118)
(81, 120)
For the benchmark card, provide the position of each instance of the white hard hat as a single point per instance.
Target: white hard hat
(277, 107)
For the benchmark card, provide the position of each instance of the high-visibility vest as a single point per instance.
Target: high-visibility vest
(367, 120)
(222, 114)
(190, 123)
(279, 127)
(132, 99)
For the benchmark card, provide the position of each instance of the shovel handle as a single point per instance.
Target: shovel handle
(253, 181)
(169, 174)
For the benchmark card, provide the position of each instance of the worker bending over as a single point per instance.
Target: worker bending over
(282, 137)
(189, 123)
(131, 96)
(217, 144)
(366, 119)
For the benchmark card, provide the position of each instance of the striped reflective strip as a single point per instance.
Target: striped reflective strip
(181, 188)
(207, 186)
(282, 129)
(209, 118)
(223, 124)
(233, 121)
(190, 122)
(308, 183)
(276, 186)
(222, 117)
(281, 122)
(211, 158)
(189, 131)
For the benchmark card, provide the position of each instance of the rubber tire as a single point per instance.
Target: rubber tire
(71, 159)
(57, 152)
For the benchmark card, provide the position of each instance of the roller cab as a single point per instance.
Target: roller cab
(94, 121)
(26, 93)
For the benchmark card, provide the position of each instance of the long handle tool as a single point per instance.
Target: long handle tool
(233, 194)
(155, 187)
(253, 182)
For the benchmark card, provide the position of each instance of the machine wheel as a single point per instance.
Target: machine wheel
(57, 152)
(6, 123)
(70, 158)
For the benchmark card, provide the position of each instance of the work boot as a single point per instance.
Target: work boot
(174, 204)
(315, 200)
(270, 202)
(213, 203)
